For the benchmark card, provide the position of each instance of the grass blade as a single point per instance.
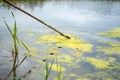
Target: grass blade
(50, 67)
(24, 45)
(12, 14)
(8, 28)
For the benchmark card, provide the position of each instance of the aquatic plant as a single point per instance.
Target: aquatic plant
(16, 43)
(60, 41)
(65, 58)
(54, 66)
(15, 48)
(48, 68)
(114, 48)
(57, 67)
(82, 79)
(98, 63)
(115, 33)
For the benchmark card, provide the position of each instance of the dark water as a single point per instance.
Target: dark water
(82, 18)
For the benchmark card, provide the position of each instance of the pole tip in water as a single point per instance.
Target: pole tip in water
(68, 37)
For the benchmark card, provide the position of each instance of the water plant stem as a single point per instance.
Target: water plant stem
(10, 3)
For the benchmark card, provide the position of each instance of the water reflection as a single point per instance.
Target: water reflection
(106, 7)
(27, 3)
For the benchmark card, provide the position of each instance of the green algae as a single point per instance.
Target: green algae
(65, 58)
(115, 33)
(60, 41)
(82, 78)
(114, 48)
(57, 67)
(98, 63)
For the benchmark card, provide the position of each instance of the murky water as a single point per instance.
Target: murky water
(84, 19)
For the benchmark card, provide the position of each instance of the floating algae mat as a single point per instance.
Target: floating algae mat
(115, 33)
(60, 41)
(114, 47)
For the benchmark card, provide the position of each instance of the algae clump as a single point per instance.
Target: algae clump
(115, 33)
(56, 67)
(73, 43)
(98, 63)
(113, 49)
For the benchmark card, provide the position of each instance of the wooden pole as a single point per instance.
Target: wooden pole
(13, 5)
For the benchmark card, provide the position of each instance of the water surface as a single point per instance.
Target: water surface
(85, 19)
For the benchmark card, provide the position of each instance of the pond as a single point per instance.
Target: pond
(92, 53)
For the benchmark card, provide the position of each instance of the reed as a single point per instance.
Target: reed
(16, 43)
(59, 72)
(16, 63)
(15, 48)
(47, 68)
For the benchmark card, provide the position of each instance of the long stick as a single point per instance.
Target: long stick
(10, 3)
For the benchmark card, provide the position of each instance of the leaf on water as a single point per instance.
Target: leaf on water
(73, 43)
(98, 63)
(57, 67)
(115, 33)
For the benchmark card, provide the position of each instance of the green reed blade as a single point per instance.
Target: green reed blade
(13, 14)
(59, 74)
(8, 28)
(50, 67)
(46, 68)
(24, 45)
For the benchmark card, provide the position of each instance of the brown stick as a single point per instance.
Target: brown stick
(10, 3)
